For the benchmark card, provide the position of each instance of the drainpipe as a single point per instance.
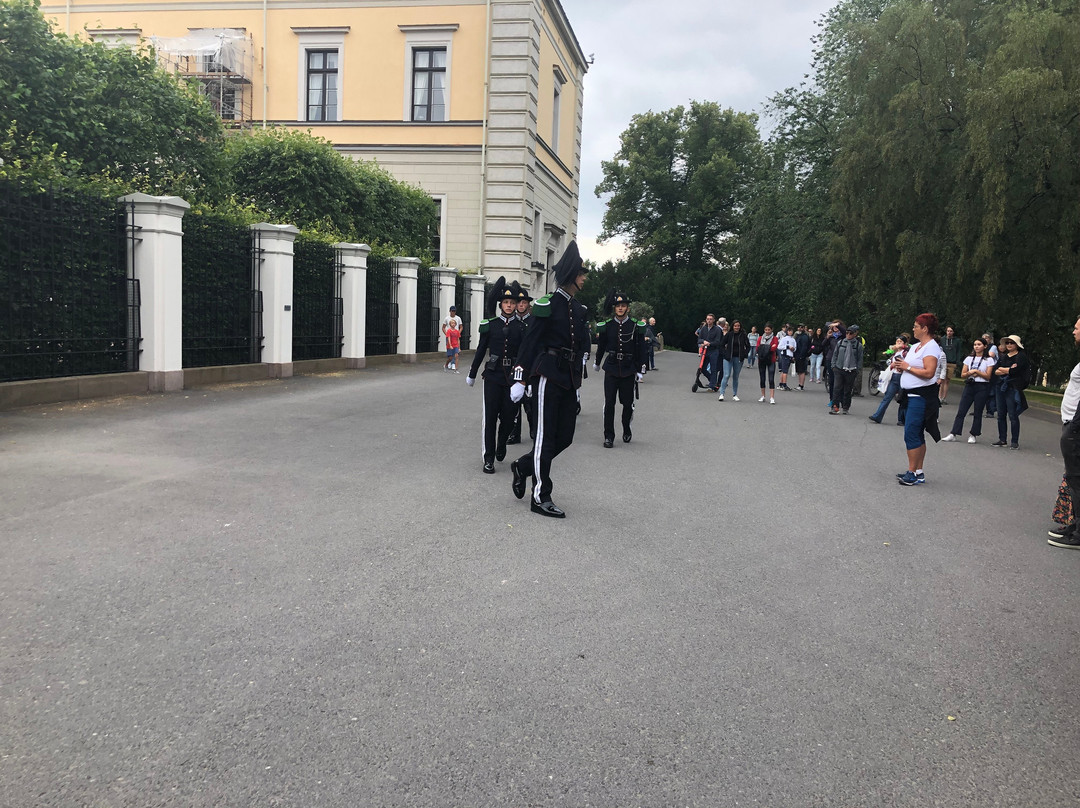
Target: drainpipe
(265, 61)
(67, 18)
(483, 143)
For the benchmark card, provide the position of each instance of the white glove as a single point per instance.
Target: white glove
(639, 376)
(596, 368)
(578, 392)
(529, 391)
(517, 392)
(469, 380)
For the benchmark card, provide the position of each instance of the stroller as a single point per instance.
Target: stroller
(701, 368)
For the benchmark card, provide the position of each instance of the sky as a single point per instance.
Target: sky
(655, 55)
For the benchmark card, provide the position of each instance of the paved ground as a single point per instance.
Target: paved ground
(305, 593)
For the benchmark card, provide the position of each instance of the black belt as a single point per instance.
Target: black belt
(621, 356)
(564, 353)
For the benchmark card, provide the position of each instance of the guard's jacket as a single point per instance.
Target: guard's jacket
(500, 339)
(557, 341)
(624, 345)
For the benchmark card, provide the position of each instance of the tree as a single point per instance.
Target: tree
(679, 184)
(109, 111)
(301, 179)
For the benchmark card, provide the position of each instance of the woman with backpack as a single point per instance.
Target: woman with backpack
(1011, 377)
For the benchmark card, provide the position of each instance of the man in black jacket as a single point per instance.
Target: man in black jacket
(500, 337)
(623, 340)
(710, 335)
(552, 357)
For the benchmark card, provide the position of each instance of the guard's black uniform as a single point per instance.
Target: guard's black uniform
(624, 344)
(552, 358)
(500, 339)
(527, 405)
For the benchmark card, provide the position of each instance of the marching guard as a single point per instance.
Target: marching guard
(527, 405)
(623, 341)
(500, 338)
(552, 357)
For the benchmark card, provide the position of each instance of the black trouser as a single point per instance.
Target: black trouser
(974, 393)
(1070, 453)
(623, 387)
(556, 418)
(770, 368)
(712, 359)
(528, 406)
(843, 387)
(498, 417)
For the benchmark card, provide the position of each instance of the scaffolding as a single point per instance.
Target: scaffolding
(221, 62)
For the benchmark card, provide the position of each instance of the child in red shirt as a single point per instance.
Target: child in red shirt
(453, 345)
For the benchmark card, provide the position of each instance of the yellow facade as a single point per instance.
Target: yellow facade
(504, 61)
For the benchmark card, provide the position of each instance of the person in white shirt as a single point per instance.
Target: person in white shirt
(1069, 536)
(919, 383)
(976, 371)
(785, 352)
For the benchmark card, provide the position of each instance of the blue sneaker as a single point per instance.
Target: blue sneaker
(901, 474)
(911, 478)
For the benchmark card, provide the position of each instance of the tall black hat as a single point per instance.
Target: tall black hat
(569, 266)
(614, 298)
(520, 292)
(499, 292)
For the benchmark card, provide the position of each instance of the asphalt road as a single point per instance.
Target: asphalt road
(306, 593)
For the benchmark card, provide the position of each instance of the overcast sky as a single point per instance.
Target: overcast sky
(658, 54)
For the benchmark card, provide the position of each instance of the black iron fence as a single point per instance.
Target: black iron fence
(222, 295)
(69, 301)
(318, 329)
(464, 311)
(382, 307)
(428, 319)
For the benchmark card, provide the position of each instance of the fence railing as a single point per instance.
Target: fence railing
(222, 297)
(428, 317)
(317, 305)
(382, 308)
(68, 297)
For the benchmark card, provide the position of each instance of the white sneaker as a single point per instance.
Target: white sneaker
(721, 398)
(761, 400)
(772, 400)
(734, 398)
(949, 438)
(971, 439)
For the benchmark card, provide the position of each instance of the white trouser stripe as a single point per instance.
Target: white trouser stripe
(483, 417)
(538, 445)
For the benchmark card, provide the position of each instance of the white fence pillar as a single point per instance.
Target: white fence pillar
(158, 255)
(354, 302)
(446, 277)
(474, 288)
(407, 271)
(276, 243)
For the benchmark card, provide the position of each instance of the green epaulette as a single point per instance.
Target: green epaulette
(641, 323)
(542, 307)
(601, 325)
(484, 326)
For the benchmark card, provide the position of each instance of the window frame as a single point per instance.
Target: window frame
(324, 39)
(427, 37)
(324, 72)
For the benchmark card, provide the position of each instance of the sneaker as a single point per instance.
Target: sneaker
(901, 475)
(721, 397)
(834, 410)
(1060, 531)
(872, 418)
(1070, 541)
(911, 478)
(801, 388)
(999, 443)
(761, 400)
(1014, 446)
(948, 438)
(458, 372)
(972, 439)
(772, 400)
(734, 398)
(845, 412)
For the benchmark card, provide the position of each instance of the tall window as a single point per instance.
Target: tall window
(555, 117)
(322, 85)
(436, 235)
(429, 84)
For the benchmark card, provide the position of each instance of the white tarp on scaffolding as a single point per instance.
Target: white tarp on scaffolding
(207, 50)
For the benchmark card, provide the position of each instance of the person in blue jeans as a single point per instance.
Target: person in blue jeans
(893, 387)
(1010, 379)
(734, 348)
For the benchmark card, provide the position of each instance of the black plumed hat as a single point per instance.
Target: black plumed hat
(614, 298)
(500, 291)
(569, 266)
(520, 292)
